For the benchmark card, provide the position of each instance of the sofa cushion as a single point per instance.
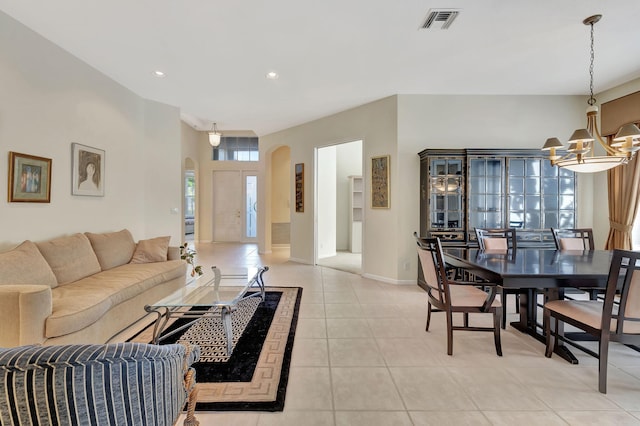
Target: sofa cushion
(152, 250)
(112, 248)
(79, 304)
(71, 258)
(25, 265)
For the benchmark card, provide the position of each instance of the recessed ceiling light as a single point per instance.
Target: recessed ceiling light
(158, 73)
(272, 75)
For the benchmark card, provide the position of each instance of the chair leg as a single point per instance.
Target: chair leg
(496, 330)
(465, 319)
(449, 333)
(546, 321)
(503, 300)
(428, 316)
(602, 364)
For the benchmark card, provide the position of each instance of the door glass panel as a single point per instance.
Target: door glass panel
(516, 185)
(532, 220)
(477, 168)
(532, 202)
(251, 207)
(550, 186)
(477, 185)
(516, 167)
(517, 202)
(494, 168)
(551, 203)
(494, 220)
(566, 220)
(494, 185)
(533, 167)
(566, 186)
(532, 185)
(551, 220)
(548, 170)
(516, 220)
(566, 202)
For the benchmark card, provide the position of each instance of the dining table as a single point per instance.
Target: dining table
(535, 272)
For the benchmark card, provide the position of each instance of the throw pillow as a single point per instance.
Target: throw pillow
(152, 250)
(25, 265)
(112, 248)
(71, 258)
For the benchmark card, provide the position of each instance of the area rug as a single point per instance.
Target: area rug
(254, 377)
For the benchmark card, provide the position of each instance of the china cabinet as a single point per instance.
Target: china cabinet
(464, 189)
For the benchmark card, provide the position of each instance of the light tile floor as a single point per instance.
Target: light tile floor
(361, 357)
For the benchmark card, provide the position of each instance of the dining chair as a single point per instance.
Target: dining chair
(616, 319)
(455, 296)
(576, 239)
(500, 240)
(496, 239)
(573, 239)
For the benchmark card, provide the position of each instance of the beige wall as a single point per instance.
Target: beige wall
(281, 185)
(50, 99)
(402, 126)
(375, 125)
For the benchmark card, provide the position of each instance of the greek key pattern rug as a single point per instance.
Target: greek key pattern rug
(254, 377)
(208, 332)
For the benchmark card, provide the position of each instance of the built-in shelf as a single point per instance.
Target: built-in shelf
(356, 201)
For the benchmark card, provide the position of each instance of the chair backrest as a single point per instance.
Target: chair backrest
(496, 239)
(573, 239)
(433, 269)
(623, 293)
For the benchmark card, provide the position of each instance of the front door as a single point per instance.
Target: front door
(227, 206)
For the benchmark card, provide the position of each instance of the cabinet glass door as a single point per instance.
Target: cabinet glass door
(486, 195)
(446, 190)
(541, 196)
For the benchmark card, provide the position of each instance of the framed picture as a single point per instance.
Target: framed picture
(87, 170)
(299, 187)
(380, 182)
(29, 178)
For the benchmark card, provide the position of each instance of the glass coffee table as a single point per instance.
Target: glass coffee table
(221, 294)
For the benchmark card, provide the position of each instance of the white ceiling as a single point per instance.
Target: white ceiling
(335, 54)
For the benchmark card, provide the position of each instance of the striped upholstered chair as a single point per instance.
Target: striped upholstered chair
(112, 384)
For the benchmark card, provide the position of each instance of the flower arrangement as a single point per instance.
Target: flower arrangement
(188, 254)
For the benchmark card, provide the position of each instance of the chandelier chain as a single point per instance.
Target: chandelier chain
(591, 100)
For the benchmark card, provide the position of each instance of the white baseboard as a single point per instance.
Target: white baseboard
(389, 280)
(303, 261)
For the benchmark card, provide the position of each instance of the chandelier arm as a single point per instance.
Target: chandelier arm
(592, 126)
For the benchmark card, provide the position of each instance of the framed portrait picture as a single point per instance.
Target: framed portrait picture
(380, 182)
(87, 170)
(299, 182)
(29, 178)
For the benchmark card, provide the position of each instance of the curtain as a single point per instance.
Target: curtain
(624, 201)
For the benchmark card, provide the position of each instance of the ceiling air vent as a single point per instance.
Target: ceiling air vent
(440, 18)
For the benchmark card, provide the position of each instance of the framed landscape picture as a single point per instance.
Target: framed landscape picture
(87, 170)
(29, 178)
(299, 182)
(380, 182)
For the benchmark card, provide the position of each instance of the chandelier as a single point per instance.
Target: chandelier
(214, 136)
(580, 156)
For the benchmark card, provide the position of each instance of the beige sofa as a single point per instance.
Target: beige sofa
(83, 288)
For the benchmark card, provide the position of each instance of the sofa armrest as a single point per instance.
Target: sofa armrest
(173, 253)
(24, 309)
(146, 381)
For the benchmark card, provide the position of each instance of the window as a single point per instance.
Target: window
(189, 194)
(236, 148)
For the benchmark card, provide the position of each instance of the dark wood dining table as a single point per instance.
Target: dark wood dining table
(534, 270)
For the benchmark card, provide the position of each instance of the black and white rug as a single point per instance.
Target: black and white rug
(255, 376)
